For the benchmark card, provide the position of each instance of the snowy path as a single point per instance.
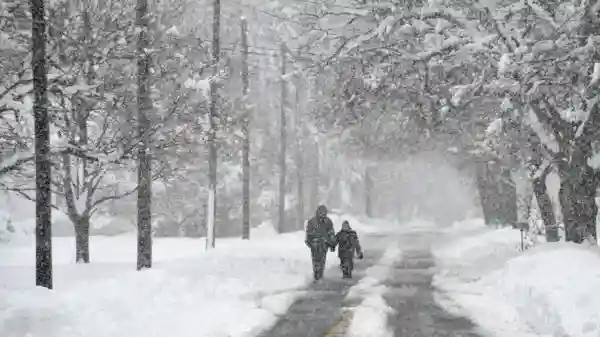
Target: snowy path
(321, 309)
(327, 311)
(412, 296)
(265, 287)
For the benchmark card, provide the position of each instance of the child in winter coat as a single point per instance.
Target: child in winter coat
(348, 245)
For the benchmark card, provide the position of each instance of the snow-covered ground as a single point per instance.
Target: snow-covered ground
(188, 292)
(549, 290)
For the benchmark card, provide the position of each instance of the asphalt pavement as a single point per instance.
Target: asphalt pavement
(324, 310)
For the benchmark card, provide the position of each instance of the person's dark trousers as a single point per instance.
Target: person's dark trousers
(319, 255)
(347, 265)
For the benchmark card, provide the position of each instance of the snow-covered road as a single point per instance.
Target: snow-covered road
(393, 295)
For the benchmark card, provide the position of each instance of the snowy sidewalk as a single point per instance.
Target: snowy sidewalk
(407, 298)
(319, 312)
(550, 290)
(355, 307)
(392, 297)
(188, 292)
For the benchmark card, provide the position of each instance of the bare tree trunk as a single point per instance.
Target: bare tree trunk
(144, 193)
(497, 194)
(315, 174)
(282, 152)
(86, 111)
(82, 239)
(483, 187)
(81, 223)
(212, 133)
(507, 198)
(314, 159)
(246, 131)
(545, 206)
(333, 189)
(368, 191)
(299, 162)
(43, 223)
(577, 199)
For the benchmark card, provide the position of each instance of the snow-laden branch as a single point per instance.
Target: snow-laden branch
(20, 158)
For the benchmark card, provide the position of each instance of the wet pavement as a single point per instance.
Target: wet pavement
(416, 313)
(323, 311)
(322, 308)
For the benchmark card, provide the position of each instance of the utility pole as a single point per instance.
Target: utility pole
(368, 190)
(282, 141)
(246, 132)
(212, 133)
(315, 150)
(299, 159)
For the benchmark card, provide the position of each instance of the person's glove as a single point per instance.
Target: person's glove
(360, 256)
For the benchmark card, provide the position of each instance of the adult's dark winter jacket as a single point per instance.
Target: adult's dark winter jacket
(319, 230)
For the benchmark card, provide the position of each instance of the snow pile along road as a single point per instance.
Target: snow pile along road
(549, 290)
(236, 290)
(370, 318)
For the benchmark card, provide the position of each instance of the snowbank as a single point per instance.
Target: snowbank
(188, 292)
(17, 220)
(13, 232)
(549, 290)
(371, 316)
(487, 249)
(264, 230)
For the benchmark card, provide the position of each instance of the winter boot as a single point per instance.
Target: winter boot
(344, 272)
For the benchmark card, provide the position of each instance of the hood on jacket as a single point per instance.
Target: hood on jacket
(321, 211)
(346, 226)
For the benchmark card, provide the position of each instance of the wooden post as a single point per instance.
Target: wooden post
(212, 133)
(299, 161)
(246, 132)
(282, 143)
